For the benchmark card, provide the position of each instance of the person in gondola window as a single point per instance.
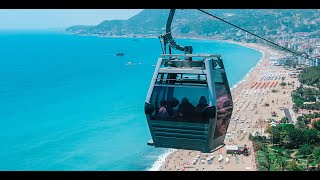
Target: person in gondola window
(202, 104)
(163, 112)
(171, 104)
(200, 107)
(186, 109)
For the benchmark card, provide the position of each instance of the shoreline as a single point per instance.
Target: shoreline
(246, 76)
(161, 160)
(156, 37)
(244, 44)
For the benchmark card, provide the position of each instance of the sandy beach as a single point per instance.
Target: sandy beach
(250, 115)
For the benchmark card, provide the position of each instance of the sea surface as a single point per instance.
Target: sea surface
(68, 102)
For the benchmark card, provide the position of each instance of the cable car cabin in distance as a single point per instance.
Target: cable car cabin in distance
(189, 103)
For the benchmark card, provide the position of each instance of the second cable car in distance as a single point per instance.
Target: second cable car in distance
(189, 103)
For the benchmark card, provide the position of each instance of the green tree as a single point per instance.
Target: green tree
(284, 137)
(310, 159)
(284, 120)
(300, 118)
(300, 125)
(280, 160)
(312, 136)
(316, 154)
(310, 116)
(250, 137)
(262, 168)
(310, 75)
(312, 98)
(286, 141)
(282, 84)
(305, 149)
(316, 125)
(267, 155)
(275, 133)
(297, 137)
(299, 102)
(287, 127)
(293, 166)
(262, 162)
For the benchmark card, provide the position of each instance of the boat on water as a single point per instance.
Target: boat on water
(120, 54)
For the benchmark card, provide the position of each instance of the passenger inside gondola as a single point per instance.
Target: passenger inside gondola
(202, 104)
(163, 112)
(186, 104)
(171, 106)
(186, 109)
(199, 115)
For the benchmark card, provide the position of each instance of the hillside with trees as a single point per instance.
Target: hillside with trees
(191, 23)
(311, 76)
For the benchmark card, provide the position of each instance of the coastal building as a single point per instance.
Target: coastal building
(301, 60)
(316, 58)
(313, 61)
(281, 61)
(294, 46)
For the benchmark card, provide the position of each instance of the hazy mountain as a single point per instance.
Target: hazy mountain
(195, 23)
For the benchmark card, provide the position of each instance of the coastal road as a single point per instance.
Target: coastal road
(288, 115)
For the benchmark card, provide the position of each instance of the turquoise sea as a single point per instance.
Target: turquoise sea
(68, 103)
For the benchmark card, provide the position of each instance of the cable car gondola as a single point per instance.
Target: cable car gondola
(189, 103)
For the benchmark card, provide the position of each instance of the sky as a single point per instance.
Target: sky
(59, 18)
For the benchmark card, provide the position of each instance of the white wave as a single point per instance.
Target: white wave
(161, 160)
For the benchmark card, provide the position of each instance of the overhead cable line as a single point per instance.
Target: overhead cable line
(296, 53)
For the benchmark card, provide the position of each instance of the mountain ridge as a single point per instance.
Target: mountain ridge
(190, 23)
